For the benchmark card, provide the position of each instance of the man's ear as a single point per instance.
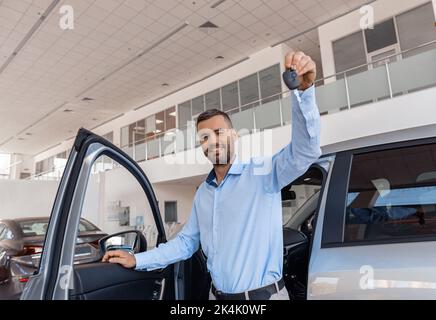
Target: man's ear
(235, 134)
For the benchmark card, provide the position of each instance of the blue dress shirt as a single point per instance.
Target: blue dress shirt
(239, 221)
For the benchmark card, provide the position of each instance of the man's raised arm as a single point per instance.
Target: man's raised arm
(304, 149)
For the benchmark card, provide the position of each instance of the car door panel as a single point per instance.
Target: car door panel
(103, 281)
(365, 250)
(391, 271)
(58, 253)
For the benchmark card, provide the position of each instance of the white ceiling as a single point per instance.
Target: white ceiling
(56, 69)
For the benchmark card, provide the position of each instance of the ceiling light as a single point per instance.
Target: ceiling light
(172, 114)
(216, 4)
(209, 24)
(208, 27)
(159, 121)
(157, 131)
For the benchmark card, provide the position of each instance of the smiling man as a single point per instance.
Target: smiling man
(237, 213)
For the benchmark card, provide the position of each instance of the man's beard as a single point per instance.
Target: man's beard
(222, 157)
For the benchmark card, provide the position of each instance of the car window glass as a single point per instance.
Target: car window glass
(295, 195)
(34, 228)
(114, 202)
(2, 227)
(6, 233)
(85, 226)
(392, 194)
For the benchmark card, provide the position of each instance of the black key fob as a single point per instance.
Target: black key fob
(290, 78)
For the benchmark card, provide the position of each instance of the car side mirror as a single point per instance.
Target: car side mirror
(133, 241)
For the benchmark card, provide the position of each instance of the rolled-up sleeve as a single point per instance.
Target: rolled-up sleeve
(304, 149)
(182, 247)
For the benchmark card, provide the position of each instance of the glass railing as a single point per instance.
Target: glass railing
(49, 175)
(102, 164)
(382, 79)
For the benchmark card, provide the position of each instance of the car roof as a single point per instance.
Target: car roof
(407, 135)
(25, 219)
(30, 219)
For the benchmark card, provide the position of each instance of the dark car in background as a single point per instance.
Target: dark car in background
(21, 244)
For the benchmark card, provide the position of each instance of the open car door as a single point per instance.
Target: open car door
(61, 274)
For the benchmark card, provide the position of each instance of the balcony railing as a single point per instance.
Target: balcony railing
(383, 80)
(341, 91)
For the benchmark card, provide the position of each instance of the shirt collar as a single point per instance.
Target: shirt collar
(211, 177)
(235, 169)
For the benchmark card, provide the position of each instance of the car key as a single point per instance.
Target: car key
(290, 78)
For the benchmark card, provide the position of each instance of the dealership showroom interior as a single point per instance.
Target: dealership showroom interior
(217, 150)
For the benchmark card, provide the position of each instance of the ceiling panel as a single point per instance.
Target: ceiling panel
(58, 66)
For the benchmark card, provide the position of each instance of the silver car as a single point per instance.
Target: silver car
(367, 229)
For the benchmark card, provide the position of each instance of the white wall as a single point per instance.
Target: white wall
(120, 185)
(23, 198)
(348, 24)
(22, 164)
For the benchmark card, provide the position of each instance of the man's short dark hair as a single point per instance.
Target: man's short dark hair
(212, 113)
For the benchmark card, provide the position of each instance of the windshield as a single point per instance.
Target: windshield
(39, 227)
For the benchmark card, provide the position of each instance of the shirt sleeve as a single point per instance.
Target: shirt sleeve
(182, 247)
(304, 149)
